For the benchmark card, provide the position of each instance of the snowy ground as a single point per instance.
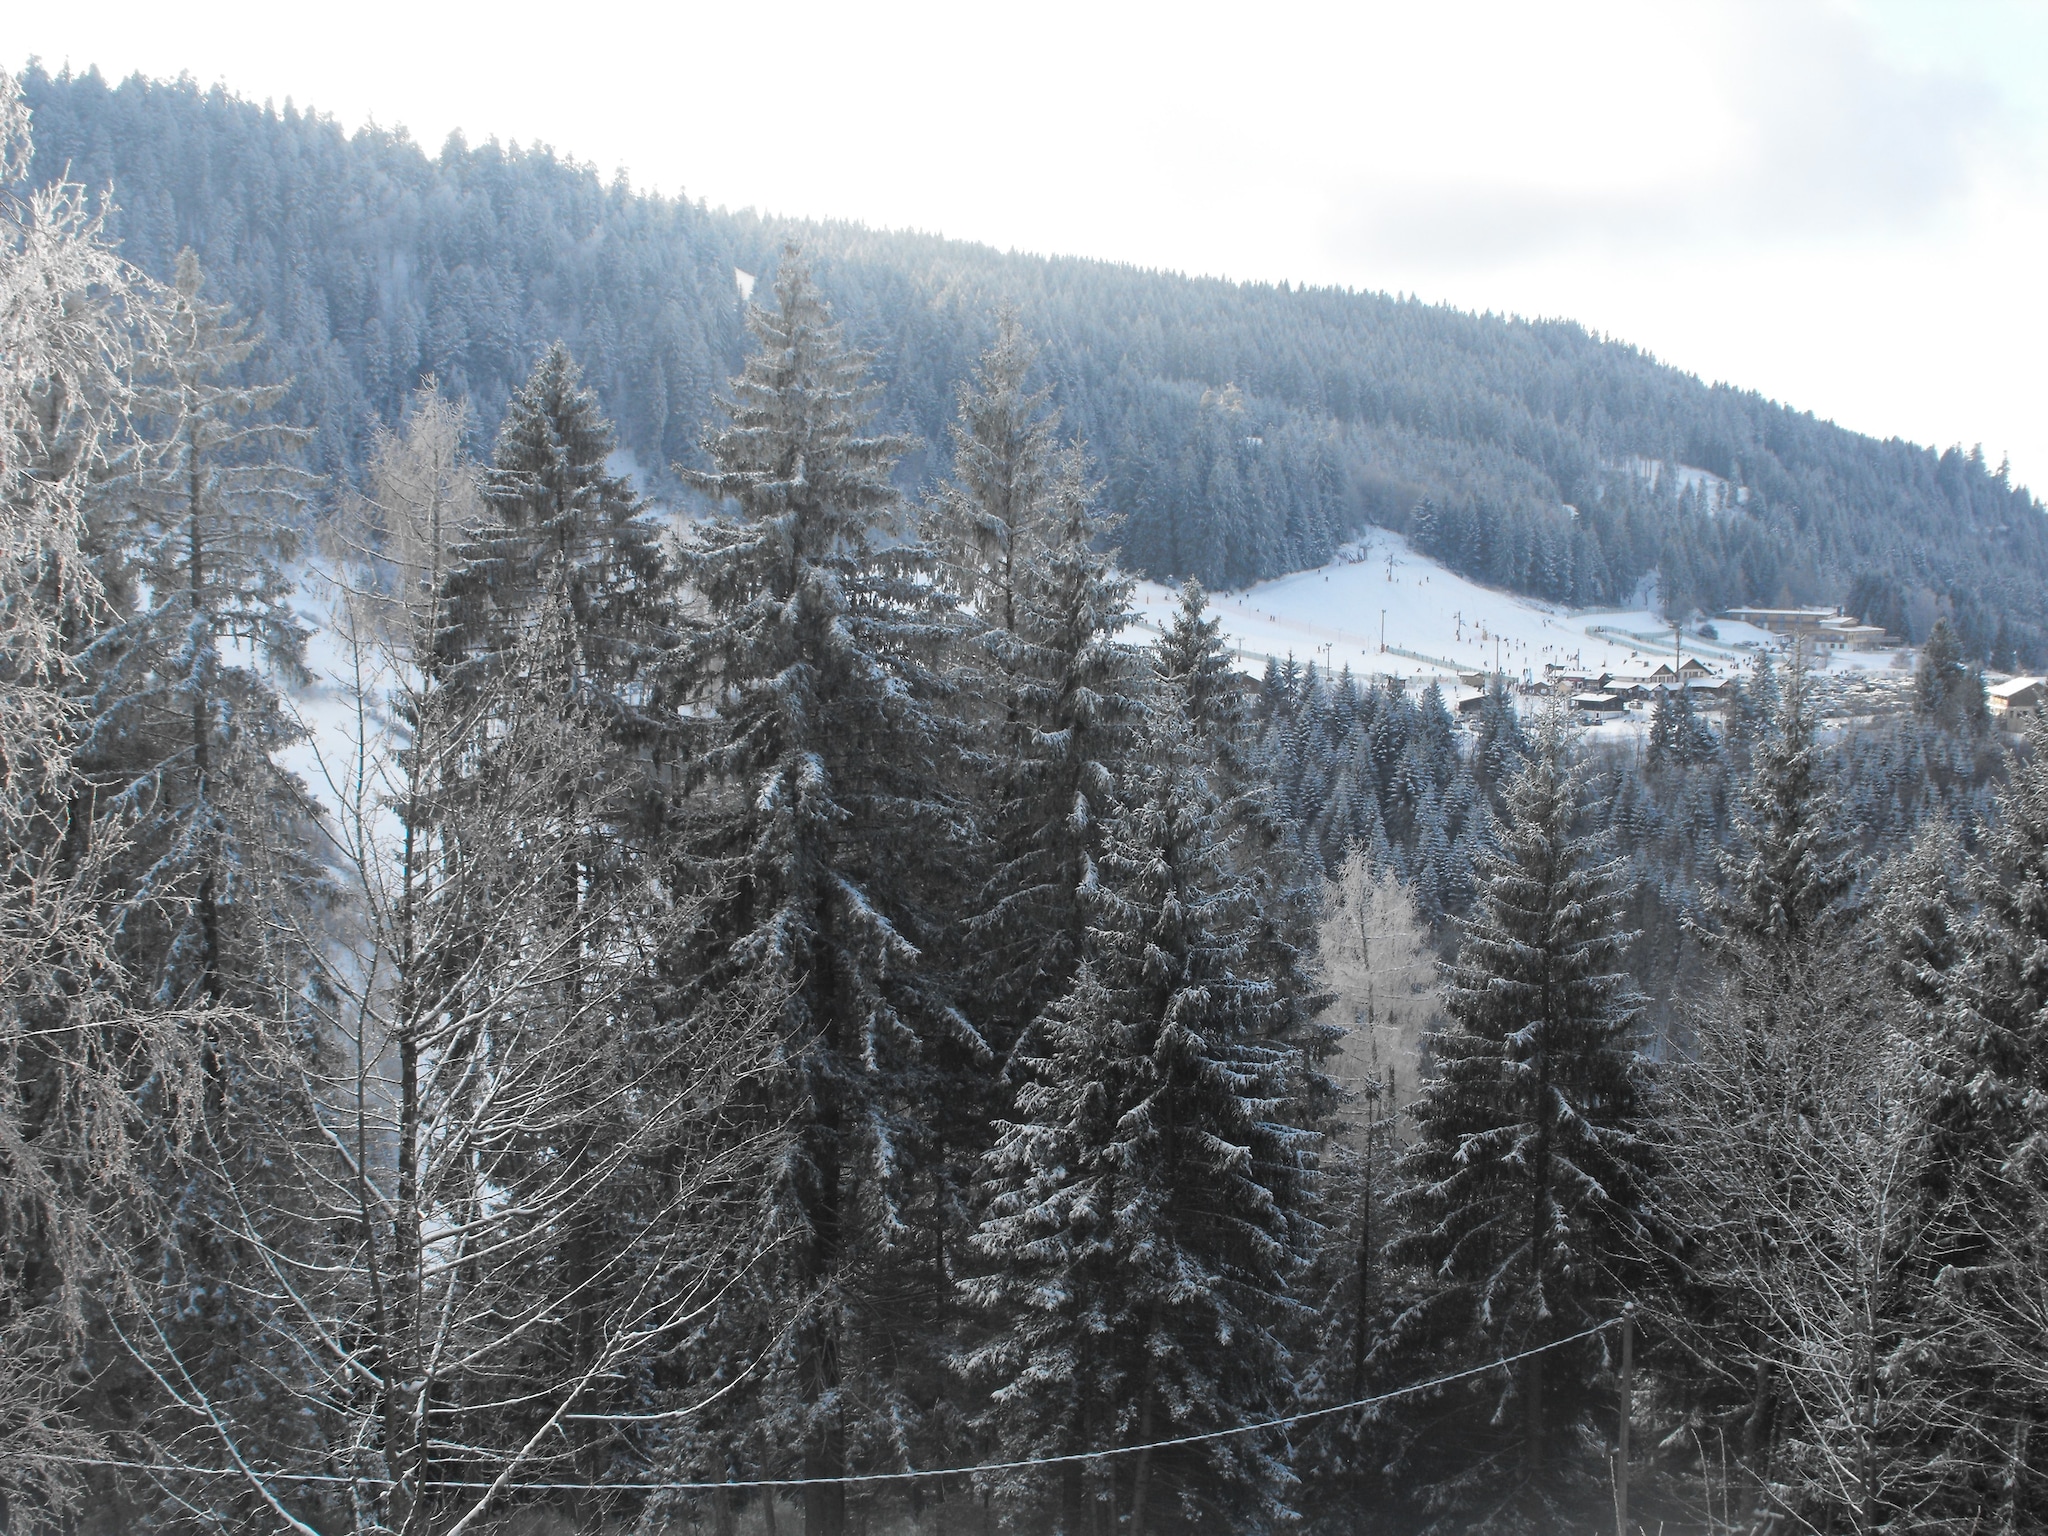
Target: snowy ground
(1437, 623)
(339, 713)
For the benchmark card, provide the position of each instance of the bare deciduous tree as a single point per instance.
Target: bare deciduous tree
(499, 1078)
(72, 1125)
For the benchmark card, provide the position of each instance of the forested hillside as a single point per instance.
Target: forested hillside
(798, 1015)
(1242, 429)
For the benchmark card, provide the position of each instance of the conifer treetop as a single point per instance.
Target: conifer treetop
(797, 454)
(1791, 866)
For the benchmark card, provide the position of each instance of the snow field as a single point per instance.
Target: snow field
(1438, 623)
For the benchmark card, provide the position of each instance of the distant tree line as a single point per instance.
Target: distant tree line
(1243, 430)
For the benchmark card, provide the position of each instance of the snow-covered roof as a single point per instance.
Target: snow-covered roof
(2018, 687)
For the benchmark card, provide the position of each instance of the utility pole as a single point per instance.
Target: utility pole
(1628, 1398)
(1383, 631)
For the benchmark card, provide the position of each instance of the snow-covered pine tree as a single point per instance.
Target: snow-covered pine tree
(1947, 687)
(1194, 675)
(1057, 698)
(1678, 737)
(1501, 743)
(1151, 1204)
(988, 521)
(1526, 1187)
(1790, 866)
(1218, 698)
(819, 825)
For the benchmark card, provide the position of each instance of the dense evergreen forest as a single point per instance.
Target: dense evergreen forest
(1243, 429)
(795, 1016)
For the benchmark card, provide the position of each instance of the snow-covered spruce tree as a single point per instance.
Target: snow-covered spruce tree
(1678, 737)
(561, 528)
(818, 824)
(1061, 695)
(1981, 1289)
(1193, 667)
(1217, 698)
(1526, 1186)
(1150, 1206)
(990, 519)
(1948, 688)
(1790, 867)
(1792, 1007)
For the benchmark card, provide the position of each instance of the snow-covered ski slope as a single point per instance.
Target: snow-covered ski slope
(1437, 623)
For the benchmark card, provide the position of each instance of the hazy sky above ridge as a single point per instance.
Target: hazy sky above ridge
(1843, 203)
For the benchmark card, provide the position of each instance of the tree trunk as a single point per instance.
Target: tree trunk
(1141, 1478)
(207, 905)
(825, 1444)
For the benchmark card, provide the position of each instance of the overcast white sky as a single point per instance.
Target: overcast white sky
(1842, 203)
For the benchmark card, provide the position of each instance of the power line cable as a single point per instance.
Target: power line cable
(870, 1477)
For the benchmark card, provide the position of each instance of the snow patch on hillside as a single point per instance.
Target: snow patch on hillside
(1716, 495)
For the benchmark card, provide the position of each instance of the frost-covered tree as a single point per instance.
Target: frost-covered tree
(1061, 692)
(216, 894)
(559, 591)
(77, 1203)
(1983, 1321)
(563, 531)
(1788, 1008)
(523, 1199)
(1380, 972)
(187, 716)
(1792, 1153)
(1150, 1206)
(1947, 687)
(1527, 1184)
(817, 822)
